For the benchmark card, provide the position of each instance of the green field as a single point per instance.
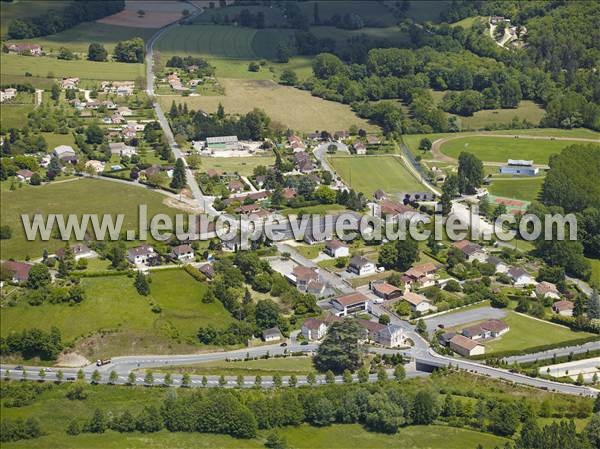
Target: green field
(78, 38)
(391, 36)
(48, 67)
(264, 367)
(241, 165)
(527, 110)
(595, 272)
(526, 332)
(369, 173)
(72, 197)
(24, 9)
(113, 305)
(521, 188)
(295, 108)
(14, 115)
(499, 149)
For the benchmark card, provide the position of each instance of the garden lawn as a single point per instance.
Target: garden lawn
(595, 271)
(366, 174)
(242, 165)
(91, 196)
(295, 108)
(113, 304)
(264, 367)
(317, 209)
(500, 149)
(45, 66)
(526, 332)
(310, 251)
(523, 188)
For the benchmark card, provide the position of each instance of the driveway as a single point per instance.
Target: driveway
(467, 316)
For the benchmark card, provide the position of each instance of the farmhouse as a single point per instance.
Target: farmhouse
(546, 290)
(385, 291)
(520, 277)
(24, 175)
(417, 302)
(335, 248)
(564, 308)
(64, 152)
(465, 346)
(21, 49)
(19, 271)
(183, 253)
(487, 329)
(313, 329)
(361, 266)
(350, 303)
(272, 334)
(141, 255)
(519, 167)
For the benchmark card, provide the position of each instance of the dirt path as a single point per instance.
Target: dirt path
(441, 157)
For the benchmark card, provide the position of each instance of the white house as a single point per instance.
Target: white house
(313, 329)
(336, 248)
(350, 303)
(63, 151)
(361, 266)
(141, 254)
(499, 265)
(183, 253)
(471, 251)
(564, 308)
(359, 147)
(121, 149)
(24, 175)
(391, 336)
(546, 290)
(520, 277)
(272, 334)
(417, 302)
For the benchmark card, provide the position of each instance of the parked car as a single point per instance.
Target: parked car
(283, 345)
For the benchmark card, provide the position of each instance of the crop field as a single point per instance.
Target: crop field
(48, 67)
(70, 197)
(265, 367)
(369, 173)
(294, 108)
(78, 38)
(523, 188)
(499, 149)
(176, 292)
(242, 165)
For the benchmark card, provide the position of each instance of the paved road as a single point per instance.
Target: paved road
(204, 202)
(463, 317)
(545, 355)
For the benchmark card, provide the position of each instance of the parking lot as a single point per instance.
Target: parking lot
(453, 319)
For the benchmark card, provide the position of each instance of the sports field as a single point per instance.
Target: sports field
(176, 292)
(71, 197)
(500, 149)
(294, 108)
(522, 188)
(242, 165)
(44, 66)
(366, 174)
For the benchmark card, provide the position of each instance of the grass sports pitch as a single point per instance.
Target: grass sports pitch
(366, 174)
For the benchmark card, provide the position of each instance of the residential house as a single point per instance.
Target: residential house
(129, 132)
(24, 175)
(373, 140)
(391, 336)
(141, 255)
(359, 147)
(313, 329)
(19, 271)
(547, 290)
(183, 253)
(520, 277)
(445, 338)
(422, 275)
(379, 195)
(80, 251)
(116, 118)
(564, 307)
(63, 152)
(289, 193)
(109, 104)
(302, 276)
(519, 167)
(335, 248)
(248, 209)
(386, 291)
(235, 186)
(124, 111)
(471, 251)
(21, 49)
(69, 83)
(121, 149)
(8, 94)
(95, 165)
(302, 162)
(272, 334)
(465, 346)
(350, 303)
(499, 265)
(341, 135)
(417, 302)
(214, 173)
(488, 329)
(361, 266)
(207, 270)
(393, 209)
